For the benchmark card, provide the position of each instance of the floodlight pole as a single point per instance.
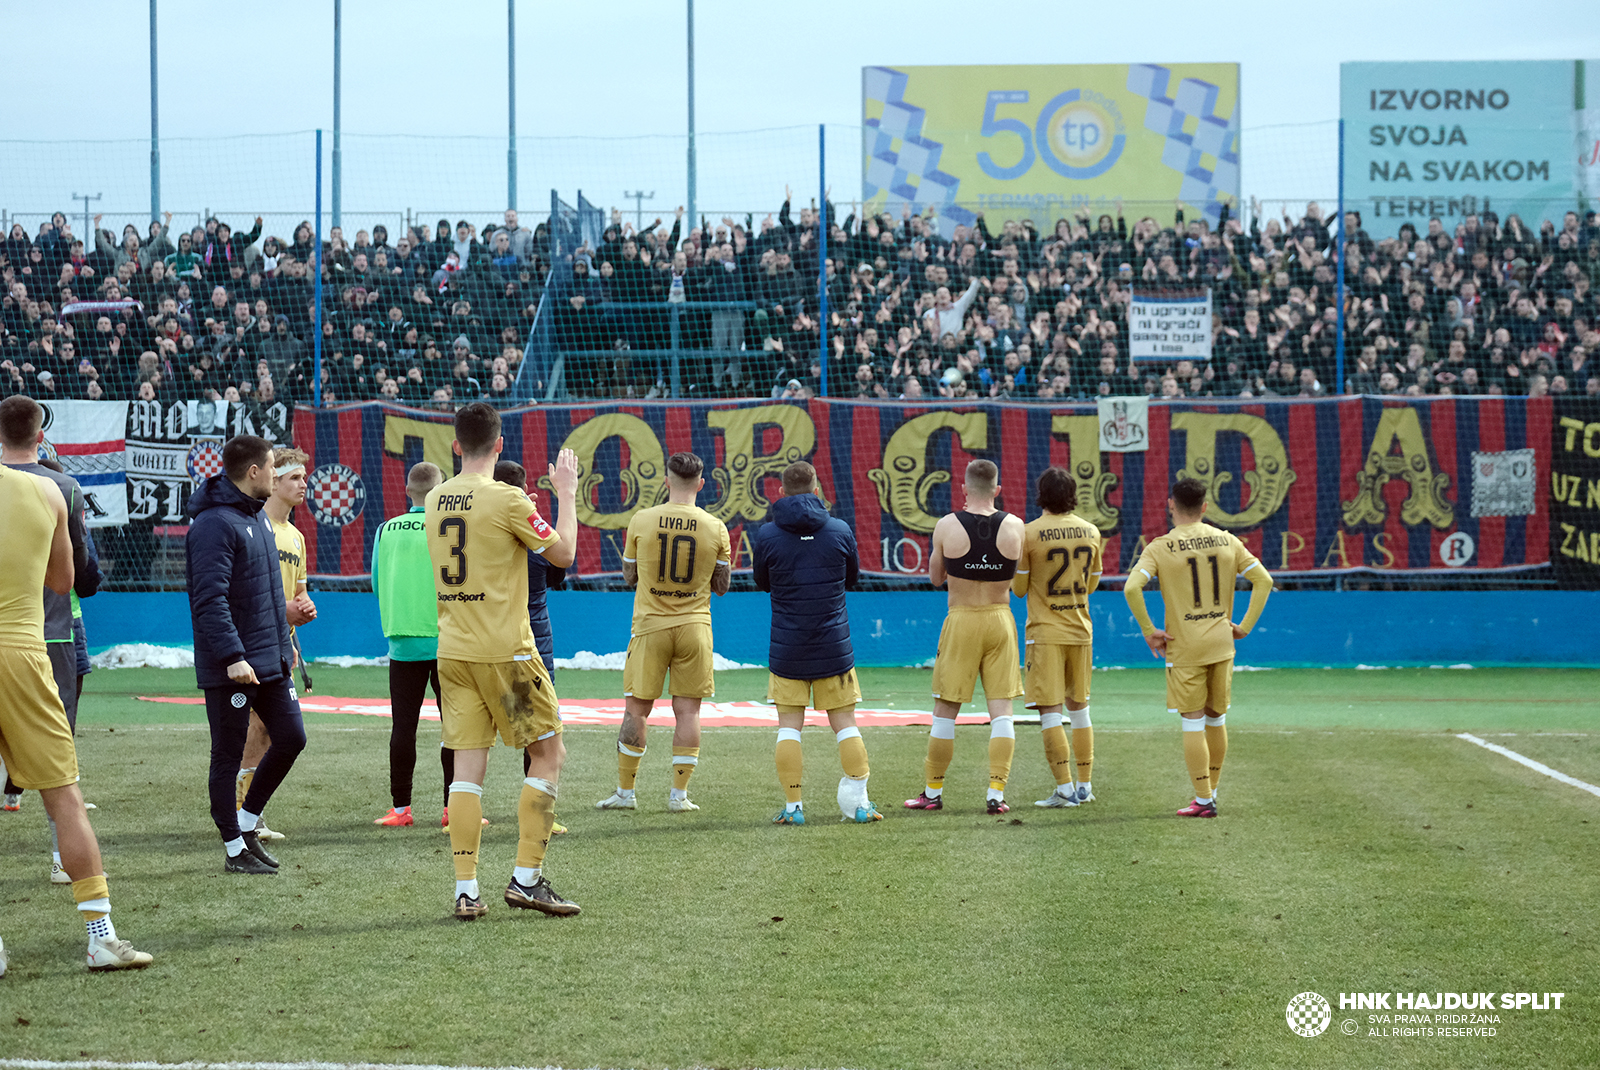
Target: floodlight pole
(155, 125)
(316, 300)
(88, 243)
(638, 197)
(511, 104)
(822, 249)
(338, 31)
(691, 161)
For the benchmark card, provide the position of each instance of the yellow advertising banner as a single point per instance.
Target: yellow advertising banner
(1043, 141)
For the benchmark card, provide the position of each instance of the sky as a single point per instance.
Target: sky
(608, 70)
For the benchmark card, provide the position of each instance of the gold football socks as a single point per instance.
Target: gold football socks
(466, 829)
(852, 753)
(790, 762)
(1056, 751)
(1217, 744)
(1196, 757)
(1002, 746)
(536, 816)
(628, 760)
(941, 748)
(1082, 744)
(684, 761)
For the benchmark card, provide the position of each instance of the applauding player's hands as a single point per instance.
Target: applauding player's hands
(564, 473)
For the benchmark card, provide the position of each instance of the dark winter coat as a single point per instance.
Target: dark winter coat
(235, 586)
(806, 558)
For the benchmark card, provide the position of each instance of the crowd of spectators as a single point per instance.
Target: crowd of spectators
(436, 318)
(440, 318)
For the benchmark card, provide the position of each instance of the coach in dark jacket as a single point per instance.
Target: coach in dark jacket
(806, 558)
(241, 642)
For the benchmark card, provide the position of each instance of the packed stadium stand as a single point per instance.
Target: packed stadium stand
(731, 307)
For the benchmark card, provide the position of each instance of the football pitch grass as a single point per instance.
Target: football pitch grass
(1361, 847)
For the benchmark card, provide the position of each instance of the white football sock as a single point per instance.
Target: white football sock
(235, 846)
(525, 875)
(248, 821)
(468, 888)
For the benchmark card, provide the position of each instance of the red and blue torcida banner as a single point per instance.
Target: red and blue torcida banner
(1382, 485)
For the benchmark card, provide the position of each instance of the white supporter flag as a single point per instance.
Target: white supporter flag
(87, 437)
(1170, 326)
(1124, 425)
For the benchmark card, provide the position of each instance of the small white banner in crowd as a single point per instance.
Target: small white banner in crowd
(1170, 326)
(1124, 425)
(87, 437)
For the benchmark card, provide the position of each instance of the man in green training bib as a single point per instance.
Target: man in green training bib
(402, 577)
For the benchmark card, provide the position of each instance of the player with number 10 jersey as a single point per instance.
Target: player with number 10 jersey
(677, 555)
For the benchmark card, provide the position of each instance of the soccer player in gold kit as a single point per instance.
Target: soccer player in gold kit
(491, 678)
(678, 555)
(1196, 565)
(35, 740)
(1060, 568)
(976, 550)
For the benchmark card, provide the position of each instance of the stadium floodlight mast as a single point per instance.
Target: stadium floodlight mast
(690, 200)
(88, 235)
(338, 29)
(155, 125)
(511, 104)
(638, 197)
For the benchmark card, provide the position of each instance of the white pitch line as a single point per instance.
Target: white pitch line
(106, 1064)
(1538, 767)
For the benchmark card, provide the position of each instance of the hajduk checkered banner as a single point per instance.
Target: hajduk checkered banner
(87, 437)
(1170, 326)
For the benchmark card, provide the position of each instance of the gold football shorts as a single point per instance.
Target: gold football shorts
(828, 693)
(685, 650)
(1192, 688)
(977, 642)
(514, 698)
(1057, 672)
(34, 738)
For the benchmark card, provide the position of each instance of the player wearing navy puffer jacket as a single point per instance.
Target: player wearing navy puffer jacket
(241, 642)
(806, 558)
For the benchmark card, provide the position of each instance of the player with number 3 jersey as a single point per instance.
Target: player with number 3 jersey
(1196, 565)
(491, 679)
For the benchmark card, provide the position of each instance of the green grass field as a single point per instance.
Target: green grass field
(1361, 847)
